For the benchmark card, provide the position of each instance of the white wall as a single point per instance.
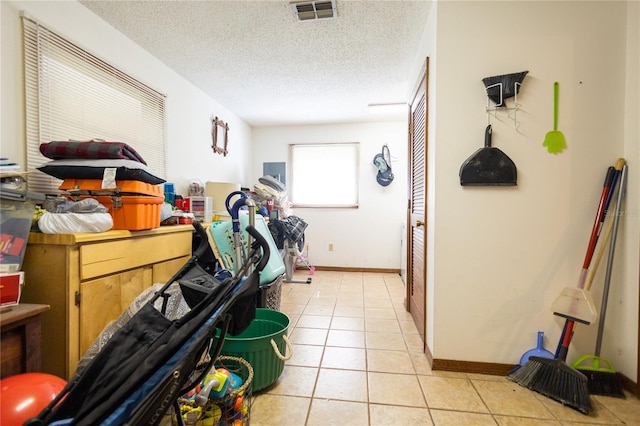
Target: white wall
(366, 237)
(502, 255)
(622, 316)
(189, 110)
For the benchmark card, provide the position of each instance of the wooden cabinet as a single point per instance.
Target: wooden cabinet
(89, 279)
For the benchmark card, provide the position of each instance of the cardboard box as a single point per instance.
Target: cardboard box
(11, 287)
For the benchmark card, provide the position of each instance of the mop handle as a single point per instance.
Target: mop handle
(612, 246)
(567, 334)
(602, 244)
(597, 225)
(620, 163)
(612, 179)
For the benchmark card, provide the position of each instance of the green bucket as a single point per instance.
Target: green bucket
(262, 344)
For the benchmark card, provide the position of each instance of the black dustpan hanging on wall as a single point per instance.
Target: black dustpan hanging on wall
(488, 166)
(501, 87)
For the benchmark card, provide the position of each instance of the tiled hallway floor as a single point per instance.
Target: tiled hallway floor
(357, 360)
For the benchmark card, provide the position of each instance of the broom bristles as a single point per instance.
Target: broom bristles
(604, 383)
(555, 379)
(601, 376)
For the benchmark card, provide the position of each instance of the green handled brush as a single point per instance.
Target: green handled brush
(601, 376)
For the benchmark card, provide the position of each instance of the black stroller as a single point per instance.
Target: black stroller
(151, 361)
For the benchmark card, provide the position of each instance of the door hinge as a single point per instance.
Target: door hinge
(77, 298)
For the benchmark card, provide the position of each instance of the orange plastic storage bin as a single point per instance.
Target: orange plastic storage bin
(133, 205)
(94, 187)
(133, 213)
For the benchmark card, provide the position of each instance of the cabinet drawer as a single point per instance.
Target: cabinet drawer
(108, 257)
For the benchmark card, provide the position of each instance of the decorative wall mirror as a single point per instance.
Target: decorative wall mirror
(219, 128)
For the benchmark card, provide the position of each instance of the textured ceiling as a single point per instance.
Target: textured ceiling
(257, 60)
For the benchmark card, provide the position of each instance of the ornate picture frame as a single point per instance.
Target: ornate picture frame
(219, 127)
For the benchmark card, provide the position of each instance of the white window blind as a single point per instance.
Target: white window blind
(324, 175)
(73, 95)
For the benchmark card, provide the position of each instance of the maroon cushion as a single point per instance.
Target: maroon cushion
(58, 150)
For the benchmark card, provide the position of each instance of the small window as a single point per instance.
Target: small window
(324, 175)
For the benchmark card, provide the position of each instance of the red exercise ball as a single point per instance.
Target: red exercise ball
(23, 396)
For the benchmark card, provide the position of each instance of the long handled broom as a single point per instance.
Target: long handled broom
(576, 303)
(567, 296)
(554, 377)
(601, 376)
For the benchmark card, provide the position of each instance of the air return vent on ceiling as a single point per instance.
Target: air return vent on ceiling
(312, 10)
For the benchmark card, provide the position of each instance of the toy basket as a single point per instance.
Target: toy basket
(233, 408)
(270, 295)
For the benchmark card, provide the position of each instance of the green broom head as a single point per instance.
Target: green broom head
(555, 379)
(601, 376)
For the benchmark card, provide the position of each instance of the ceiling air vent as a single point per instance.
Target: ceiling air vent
(312, 10)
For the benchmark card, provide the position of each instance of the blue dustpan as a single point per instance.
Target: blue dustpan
(537, 351)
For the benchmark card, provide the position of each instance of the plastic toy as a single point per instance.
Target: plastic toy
(231, 383)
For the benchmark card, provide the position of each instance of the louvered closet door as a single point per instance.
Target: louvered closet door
(416, 270)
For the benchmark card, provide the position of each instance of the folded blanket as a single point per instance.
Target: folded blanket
(273, 183)
(93, 150)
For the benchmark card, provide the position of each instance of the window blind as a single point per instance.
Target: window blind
(70, 94)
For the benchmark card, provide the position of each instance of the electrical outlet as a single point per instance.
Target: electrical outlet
(330, 247)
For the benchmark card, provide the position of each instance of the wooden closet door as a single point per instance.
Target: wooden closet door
(416, 215)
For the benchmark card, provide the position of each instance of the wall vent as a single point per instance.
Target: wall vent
(313, 10)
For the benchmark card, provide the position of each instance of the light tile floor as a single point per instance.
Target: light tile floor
(357, 360)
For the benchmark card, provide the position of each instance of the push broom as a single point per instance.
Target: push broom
(554, 378)
(601, 376)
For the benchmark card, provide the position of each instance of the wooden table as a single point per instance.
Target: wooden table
(20, 339)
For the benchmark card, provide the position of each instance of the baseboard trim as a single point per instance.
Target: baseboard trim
(356, 269)
(628, 384)
(427, 352)
(490, 368)
(496, 369)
